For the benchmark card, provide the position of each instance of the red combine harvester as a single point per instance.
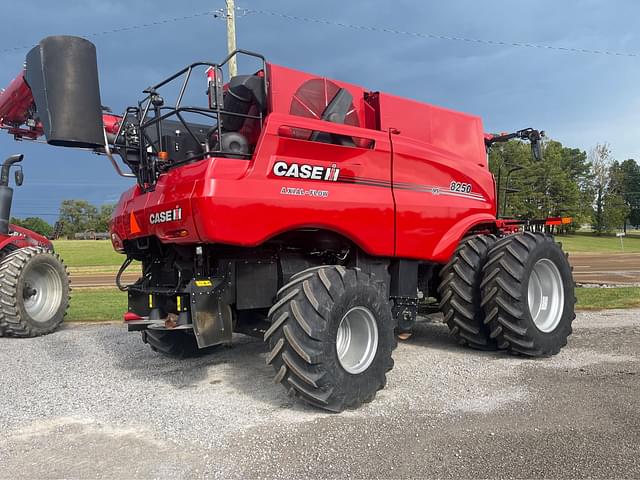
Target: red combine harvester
(310, 212)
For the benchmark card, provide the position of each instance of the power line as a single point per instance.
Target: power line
(433, 36)
(31, 214)
(220, 14)
(212, 13)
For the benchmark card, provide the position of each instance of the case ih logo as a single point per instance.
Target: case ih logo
(312, 172)
(166, 216)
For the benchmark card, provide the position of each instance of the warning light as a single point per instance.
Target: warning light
(178, 233)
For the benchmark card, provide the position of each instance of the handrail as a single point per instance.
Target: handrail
(109, 155)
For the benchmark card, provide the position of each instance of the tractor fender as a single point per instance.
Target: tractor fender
(21, 237)
(450, 240)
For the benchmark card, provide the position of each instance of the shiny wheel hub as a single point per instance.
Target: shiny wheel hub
(357, 340)
(42, 292)
(546, 295)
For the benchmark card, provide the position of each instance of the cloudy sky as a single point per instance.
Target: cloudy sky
(579, 99)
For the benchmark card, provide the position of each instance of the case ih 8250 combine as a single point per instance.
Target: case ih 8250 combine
(311, 212)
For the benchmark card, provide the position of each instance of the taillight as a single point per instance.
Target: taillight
(130, 317)
(116, 241)
(182, 233)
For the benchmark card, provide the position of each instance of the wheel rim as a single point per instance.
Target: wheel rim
(546, 295)
(42, 292)
(357, 340)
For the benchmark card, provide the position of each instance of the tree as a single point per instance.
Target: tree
(626, 178)
(103, 218)
(35, 224)
(600, 157)
(632, 190)
(78, 216)
(610, 209)
(615, 211)
(575, 162)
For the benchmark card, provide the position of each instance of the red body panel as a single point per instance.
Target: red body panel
(393, 199)
(16, 105)
(15, 101)
(241, 203)
(21, 237)
(432, 148)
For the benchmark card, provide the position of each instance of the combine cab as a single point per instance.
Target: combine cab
(313, 213)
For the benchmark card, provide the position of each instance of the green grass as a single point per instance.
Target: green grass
(97, 305)
(589, 243)
(108, 304)
(601, 298)
(88, 253)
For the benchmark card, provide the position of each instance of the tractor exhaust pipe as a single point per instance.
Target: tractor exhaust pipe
(6, 193)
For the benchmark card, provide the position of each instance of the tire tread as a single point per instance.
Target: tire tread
(459, 290)
(11, 267)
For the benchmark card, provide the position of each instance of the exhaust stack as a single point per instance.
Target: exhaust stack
(6, 193)
(62, 73)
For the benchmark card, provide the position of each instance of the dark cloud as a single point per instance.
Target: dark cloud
(580, 99)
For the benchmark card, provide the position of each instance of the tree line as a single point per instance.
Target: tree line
(593, 188)
(75, 216)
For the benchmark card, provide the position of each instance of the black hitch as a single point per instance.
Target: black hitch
(203, 305)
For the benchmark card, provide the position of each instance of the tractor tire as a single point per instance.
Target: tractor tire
(459, 289)
(176, 344)
(34, 292)
(528, 294)
(331, 337)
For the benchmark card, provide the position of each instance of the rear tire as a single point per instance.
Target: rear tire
(459, 289)
(331, 337)
(34, 292)
(529, 294)
(175, 344)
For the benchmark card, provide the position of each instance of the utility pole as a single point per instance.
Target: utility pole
(231, 36)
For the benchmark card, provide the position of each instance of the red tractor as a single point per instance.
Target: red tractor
(34, 294)
(316, 214)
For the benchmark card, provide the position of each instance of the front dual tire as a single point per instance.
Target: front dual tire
(528, 294)
(459, 289)
(515, 293)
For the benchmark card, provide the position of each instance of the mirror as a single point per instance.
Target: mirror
(6, 168)
(214, 88)
(19, 177)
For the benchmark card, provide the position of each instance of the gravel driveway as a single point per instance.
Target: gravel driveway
(92, 401)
